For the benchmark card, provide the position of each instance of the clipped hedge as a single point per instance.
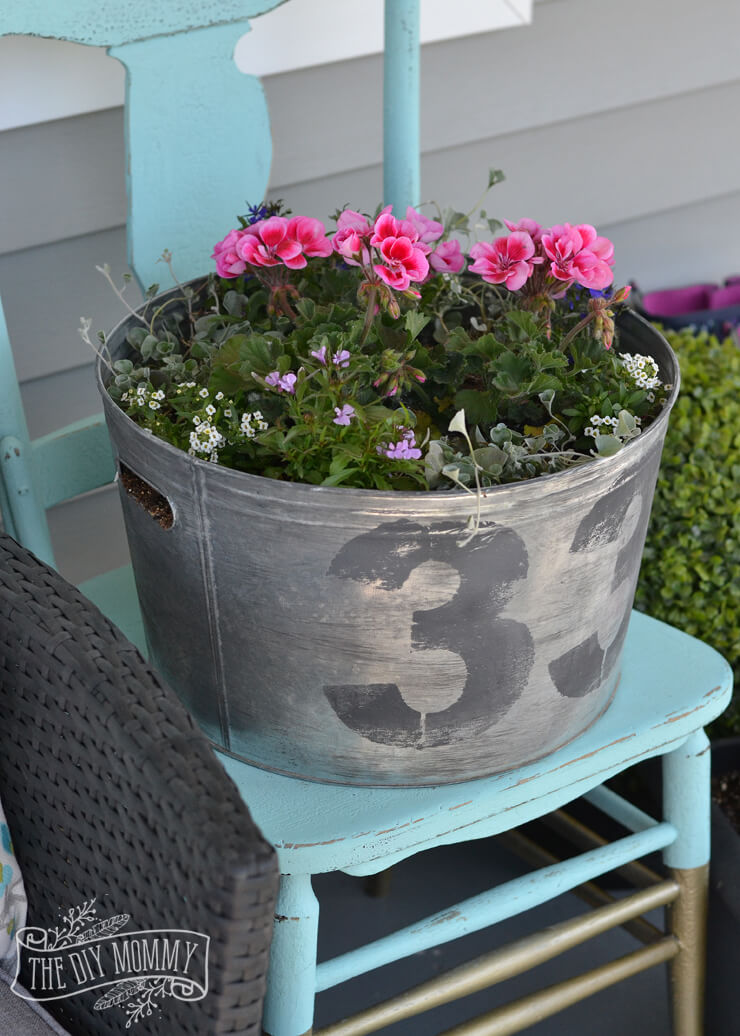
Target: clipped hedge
(690, 575)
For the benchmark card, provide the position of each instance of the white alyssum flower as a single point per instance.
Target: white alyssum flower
(643, 369)
(252, 423)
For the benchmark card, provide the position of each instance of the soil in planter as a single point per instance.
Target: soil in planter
(726, 793)
(150, 499)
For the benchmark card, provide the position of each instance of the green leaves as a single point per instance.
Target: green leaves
(415, 322)
(341, 387)
(241, 356)
(689, 575)
(513, 374)
(479, 407)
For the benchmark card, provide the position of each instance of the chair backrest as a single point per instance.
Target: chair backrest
(197, 143)
(197, 138)
(111, 793)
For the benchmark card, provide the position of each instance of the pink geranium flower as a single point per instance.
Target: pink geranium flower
(429, 230)
(579, 254)
(509, 260)
(447, 257)
(352, 236)
(402, 260)
(528, 226)
(310, 234)
(277, 240)
(228, 263)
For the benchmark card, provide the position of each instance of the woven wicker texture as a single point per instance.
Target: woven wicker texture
(112, 793)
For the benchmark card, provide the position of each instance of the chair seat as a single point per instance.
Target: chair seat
(114, 593)
(671, 685)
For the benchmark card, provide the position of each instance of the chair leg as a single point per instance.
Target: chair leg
(291, 979)
(686, 804)
(688, 920)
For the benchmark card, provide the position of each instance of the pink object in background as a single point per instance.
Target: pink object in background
(674, 301)
(727, 296)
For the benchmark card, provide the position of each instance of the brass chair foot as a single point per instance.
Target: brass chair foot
(688, 922)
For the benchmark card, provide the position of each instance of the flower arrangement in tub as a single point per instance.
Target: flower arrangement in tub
(382, 356)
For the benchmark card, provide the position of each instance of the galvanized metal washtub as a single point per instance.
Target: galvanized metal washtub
(352, 636)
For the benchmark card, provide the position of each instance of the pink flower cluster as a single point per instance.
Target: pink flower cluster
(403, 248)
(402, 252)
(271, 242)
(575, 254)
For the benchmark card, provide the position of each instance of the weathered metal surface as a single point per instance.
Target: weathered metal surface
(353, 636)
(315, 828)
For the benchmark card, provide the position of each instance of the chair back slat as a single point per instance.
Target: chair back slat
(21, 507)
(198, 145)
(73, 460)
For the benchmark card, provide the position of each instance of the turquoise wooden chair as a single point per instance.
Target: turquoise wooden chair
(671, 686)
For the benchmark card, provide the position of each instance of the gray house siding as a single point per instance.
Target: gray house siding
(615, 115)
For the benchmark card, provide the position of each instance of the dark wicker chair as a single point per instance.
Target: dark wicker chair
(112, 793)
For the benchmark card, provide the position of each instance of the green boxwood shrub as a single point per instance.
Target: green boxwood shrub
(690, 575)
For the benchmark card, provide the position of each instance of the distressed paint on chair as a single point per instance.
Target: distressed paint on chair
(320, 827)
(497, 904)
(364, 830)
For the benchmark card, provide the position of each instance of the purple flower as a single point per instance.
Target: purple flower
(404, 449)
(344, 415)
(341, 359)
(256, 213)
(283, 383)
(320, 354)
